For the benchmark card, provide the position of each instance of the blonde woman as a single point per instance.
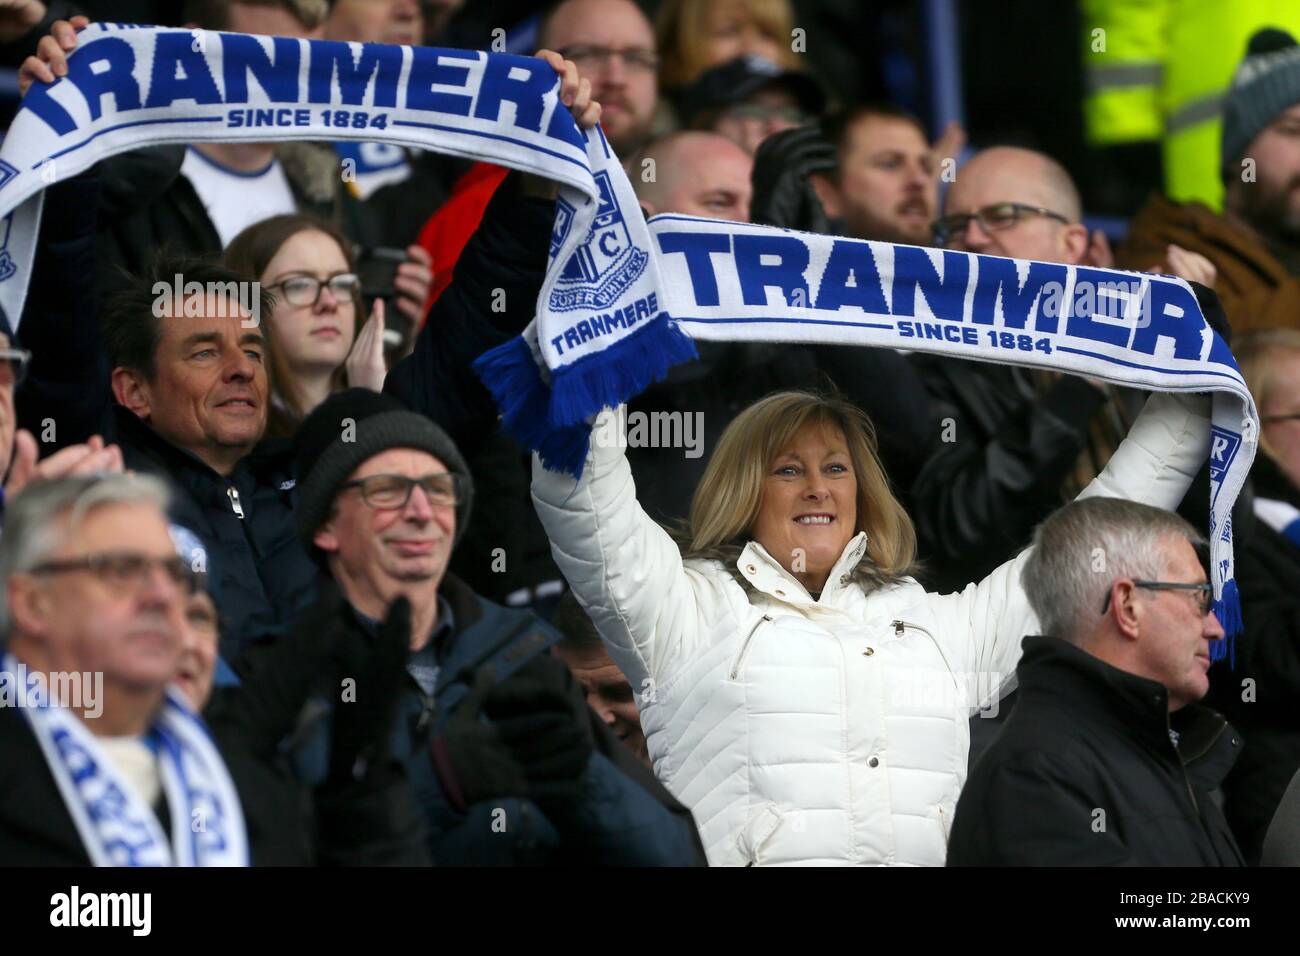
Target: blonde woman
(799, 691)
(694, 35)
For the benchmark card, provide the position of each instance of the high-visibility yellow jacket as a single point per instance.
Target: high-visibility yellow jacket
(1158, 69)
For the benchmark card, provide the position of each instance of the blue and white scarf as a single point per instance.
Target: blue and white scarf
(623, 299)
(116, 826)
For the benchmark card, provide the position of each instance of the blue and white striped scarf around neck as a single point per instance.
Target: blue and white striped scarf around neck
(623, 299)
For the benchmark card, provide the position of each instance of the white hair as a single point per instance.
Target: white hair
(1084, 547)
(40, 520)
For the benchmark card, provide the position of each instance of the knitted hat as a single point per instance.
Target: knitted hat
(352, 426)
(1267, 81)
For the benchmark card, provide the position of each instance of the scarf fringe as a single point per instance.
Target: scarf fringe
(1227, 608)
(608, 378)
(510, 373)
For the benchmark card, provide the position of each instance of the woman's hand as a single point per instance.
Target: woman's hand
(51, 58)
(365, 363)
(413, 280)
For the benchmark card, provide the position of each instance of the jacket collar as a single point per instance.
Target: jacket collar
(136, 435)
(766, 574)
(1134, 706)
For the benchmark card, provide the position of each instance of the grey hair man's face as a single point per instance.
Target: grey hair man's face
(1175, 636)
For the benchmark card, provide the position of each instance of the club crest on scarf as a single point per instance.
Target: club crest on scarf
(607, 262)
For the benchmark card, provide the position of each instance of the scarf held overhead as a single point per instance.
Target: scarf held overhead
(623, 299)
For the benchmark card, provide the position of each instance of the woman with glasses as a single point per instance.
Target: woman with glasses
(318, 341)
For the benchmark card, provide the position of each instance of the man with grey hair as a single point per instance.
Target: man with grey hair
(100, 762)
(1108, 759)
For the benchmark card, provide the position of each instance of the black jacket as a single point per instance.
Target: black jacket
(1259, 690)
(996, 468)
(1085, 773)
(261, 576)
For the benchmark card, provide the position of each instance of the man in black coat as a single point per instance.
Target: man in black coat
(1107, 759)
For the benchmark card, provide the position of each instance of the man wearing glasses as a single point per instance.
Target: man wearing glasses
(384, 497)
(613, 45)
(99, 762)
(1108, 758)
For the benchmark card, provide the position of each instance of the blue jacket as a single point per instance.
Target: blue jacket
(626, 817)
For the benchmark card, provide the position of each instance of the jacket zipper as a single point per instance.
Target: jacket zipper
(943, 822)
(744, 648)
(233, 494)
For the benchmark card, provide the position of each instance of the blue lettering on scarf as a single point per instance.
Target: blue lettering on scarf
(375, 61)
(242, 55)
(914, 270)
(116, 60)
(851, 258)
(785, 274)
(999, 277)
(180, 72)
(427, 69)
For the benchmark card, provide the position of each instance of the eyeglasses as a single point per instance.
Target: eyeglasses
(589, 58)
(993, 218)
(1204, 593)
(13, 366)
(123, 570)
(394, 491)
(305, 289)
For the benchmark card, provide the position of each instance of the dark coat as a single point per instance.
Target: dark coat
(262, 578)
(626, 817)
(1268, 657)
(1086, 773)
(979, 496)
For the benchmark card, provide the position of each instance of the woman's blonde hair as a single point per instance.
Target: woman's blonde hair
(1257, 353)
(729, 496)
(681, 33)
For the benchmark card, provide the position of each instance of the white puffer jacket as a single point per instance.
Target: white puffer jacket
(829, 731)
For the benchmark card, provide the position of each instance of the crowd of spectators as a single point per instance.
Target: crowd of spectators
(410, 643)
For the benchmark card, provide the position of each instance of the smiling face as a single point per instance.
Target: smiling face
(1175, 637)
(378, 553)
(310, 338)
(809, 507)
(208, 393)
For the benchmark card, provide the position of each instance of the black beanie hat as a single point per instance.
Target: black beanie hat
(352, 426)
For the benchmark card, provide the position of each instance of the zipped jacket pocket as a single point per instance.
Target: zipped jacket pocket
(739, 662)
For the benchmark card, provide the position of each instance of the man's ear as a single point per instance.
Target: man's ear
(1075, 236)
(131, 390)
(828, 194)
(1124, 609)
(325, 538)
(29, 603)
